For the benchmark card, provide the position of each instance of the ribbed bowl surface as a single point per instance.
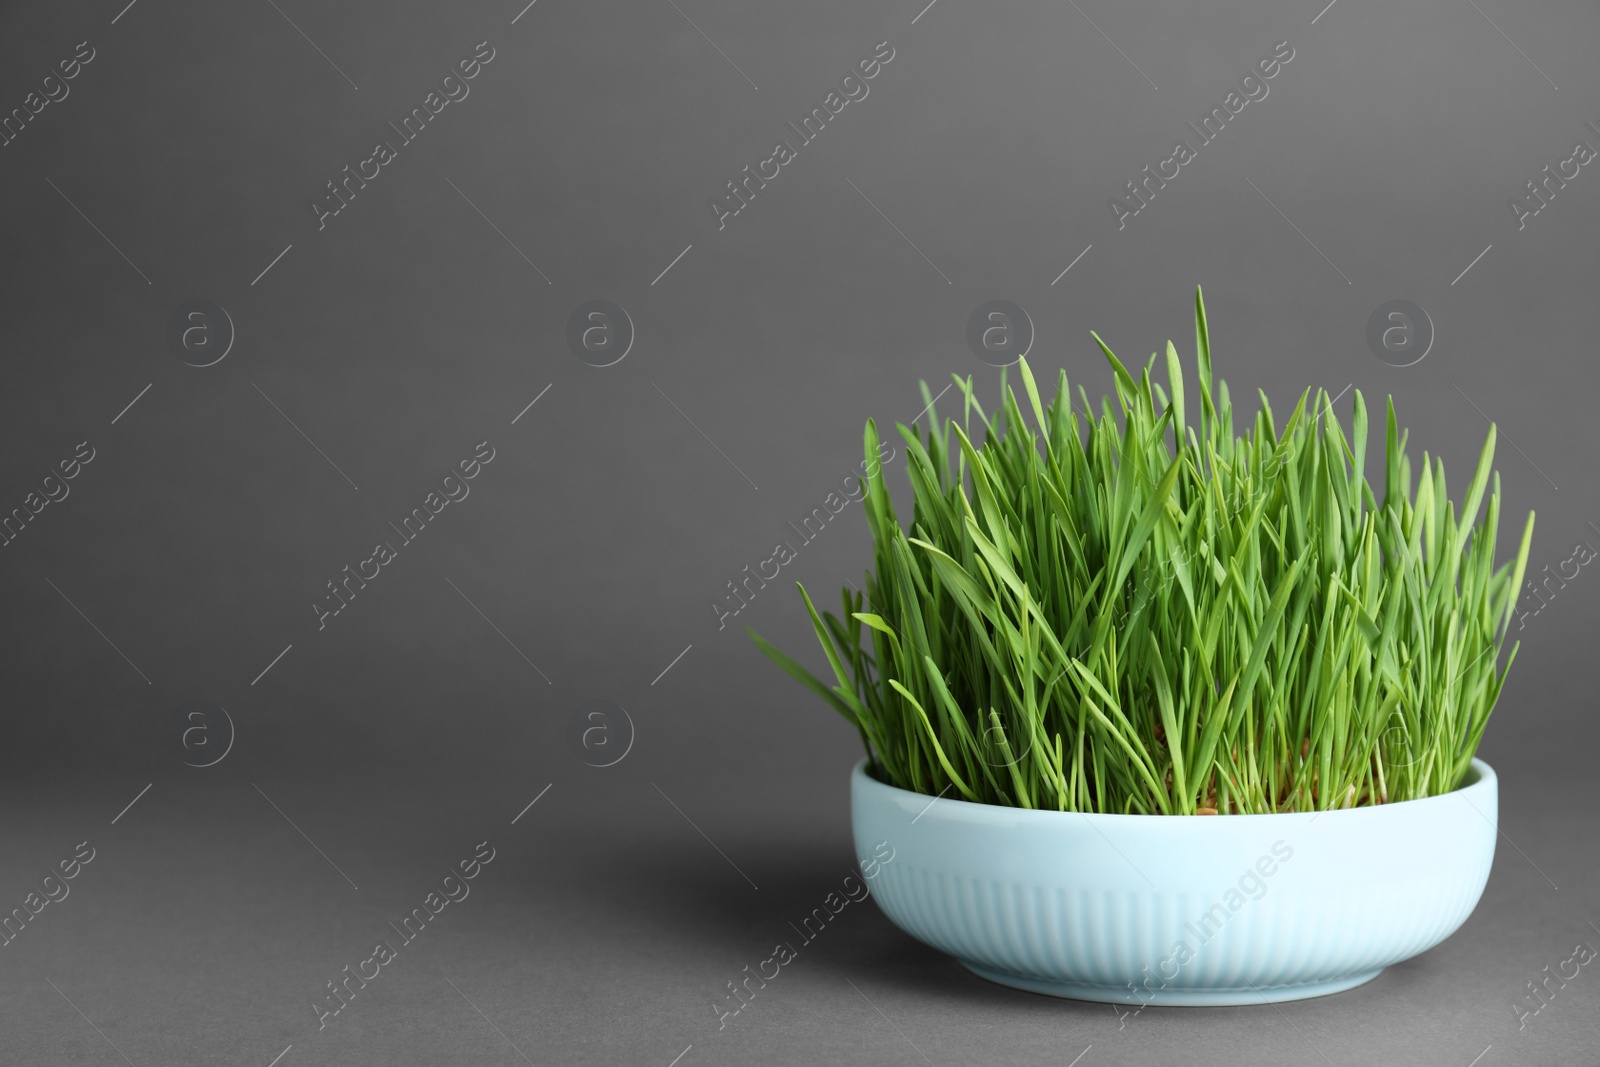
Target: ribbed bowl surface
(1173, 909)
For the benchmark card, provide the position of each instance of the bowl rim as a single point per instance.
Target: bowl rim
(1481, 779)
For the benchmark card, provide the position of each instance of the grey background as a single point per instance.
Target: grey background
(408, 330)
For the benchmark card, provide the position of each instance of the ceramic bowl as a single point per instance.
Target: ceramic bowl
(1159, 909)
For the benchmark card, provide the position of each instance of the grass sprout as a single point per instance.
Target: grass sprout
(1140, 611)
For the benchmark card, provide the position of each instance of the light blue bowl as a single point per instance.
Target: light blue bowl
(1096, 907)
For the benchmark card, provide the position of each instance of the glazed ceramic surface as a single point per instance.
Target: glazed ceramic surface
(1154, 909)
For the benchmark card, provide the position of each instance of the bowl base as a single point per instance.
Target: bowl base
(1172, 997)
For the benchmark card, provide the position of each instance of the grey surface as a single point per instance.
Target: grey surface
(379, 351)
